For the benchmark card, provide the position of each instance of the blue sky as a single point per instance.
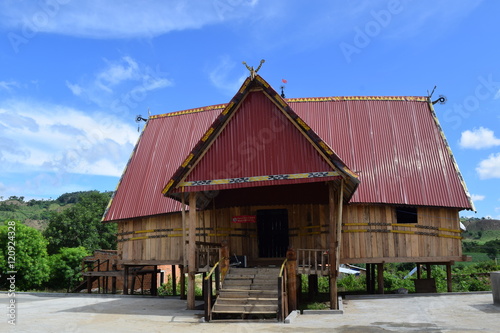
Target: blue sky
(74, 74)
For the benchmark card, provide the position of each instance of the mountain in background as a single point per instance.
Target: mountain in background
(36, 213)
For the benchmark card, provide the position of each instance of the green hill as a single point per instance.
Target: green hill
(35, 213)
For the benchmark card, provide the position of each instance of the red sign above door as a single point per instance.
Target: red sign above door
(244, 219)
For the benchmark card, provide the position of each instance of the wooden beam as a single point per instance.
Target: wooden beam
(149, 262)
(432, 260)
(193, 217)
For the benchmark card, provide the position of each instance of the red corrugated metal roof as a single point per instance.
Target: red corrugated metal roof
(258, 140)
(394, 143)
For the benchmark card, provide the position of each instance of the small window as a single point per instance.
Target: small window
(406, 215)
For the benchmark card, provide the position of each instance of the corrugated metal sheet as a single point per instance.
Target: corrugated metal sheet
(258, 131)
(393, 143)
(164, 143)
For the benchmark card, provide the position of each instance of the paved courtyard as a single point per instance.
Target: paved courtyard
(115, 313)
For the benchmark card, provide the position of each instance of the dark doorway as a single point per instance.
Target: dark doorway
(272, 227)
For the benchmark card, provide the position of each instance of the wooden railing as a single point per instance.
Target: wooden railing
(313, 262)
(208, 295)
(282, 293)
(207, 254)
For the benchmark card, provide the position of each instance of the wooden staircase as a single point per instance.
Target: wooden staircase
(248, 293)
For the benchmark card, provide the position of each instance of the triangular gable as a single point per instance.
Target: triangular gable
(325, 164)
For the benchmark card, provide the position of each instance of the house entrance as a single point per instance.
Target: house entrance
(272, 229)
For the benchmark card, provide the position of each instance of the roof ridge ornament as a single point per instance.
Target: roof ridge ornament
(253, 71)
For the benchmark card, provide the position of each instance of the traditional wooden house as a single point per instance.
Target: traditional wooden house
(334, 179)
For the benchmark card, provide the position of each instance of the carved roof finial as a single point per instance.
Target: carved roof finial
(253, 71)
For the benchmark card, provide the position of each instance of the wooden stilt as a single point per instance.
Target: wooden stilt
(380, 278)
(312, 281)
(125, 280)
(335, 204)
(429, 270)
(174, 281)
(369, 279)
(373, 282)
(113, 285)
(192, 251)
(299, 289)
(183, 282)
(184, 241)
(419, 271)
(448, 277)
(291, 267)
(154, 282)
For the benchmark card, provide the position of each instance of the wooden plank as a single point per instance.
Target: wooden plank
(433, 260)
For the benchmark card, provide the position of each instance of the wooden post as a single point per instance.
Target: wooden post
(182, 281)
(125, 280)
(224, 258)
(291, 270)
(368, 278)
(174, 281)
(183, 216)
(312, 282)
(429, 270)
(373, 266)
(154, 282)
(299, 289)
(448, 277)
(380, 277)
(192, 251)
(419, 271)
(335, 204)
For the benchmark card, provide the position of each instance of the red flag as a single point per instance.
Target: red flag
(284, 81)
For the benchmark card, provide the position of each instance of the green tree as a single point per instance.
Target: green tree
(65, 268)
(80, 225)
(23, 250)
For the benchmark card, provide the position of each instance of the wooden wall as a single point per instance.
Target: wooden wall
(369, 233)
(372, 234)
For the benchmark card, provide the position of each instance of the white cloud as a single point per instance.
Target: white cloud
(8, 85)
(123, 79)
(490, 167)
(52, 138)
(223, 75)
(477, 197)
(119, 19)
(479, 138)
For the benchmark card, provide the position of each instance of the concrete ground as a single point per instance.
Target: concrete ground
(115, 313)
